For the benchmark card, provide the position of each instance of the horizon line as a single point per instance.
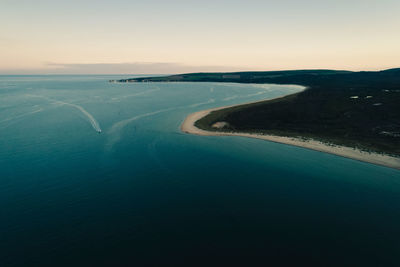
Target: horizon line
(182, 73)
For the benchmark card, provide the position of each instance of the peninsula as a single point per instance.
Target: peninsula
(351, 114)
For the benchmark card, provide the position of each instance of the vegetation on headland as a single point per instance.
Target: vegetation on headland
(355, 109)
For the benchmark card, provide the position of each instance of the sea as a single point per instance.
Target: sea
(94, 173)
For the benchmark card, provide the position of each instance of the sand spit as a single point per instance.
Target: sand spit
(188, 126)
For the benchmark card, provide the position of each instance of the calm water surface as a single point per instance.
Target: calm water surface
(99, 174)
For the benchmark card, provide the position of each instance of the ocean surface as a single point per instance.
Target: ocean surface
(94, 173)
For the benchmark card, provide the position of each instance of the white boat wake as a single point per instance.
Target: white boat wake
(116, 99)
(92, 120)
(19, 117)
(89, 116)
(115, 130)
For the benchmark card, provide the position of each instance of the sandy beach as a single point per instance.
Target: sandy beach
(188, 126)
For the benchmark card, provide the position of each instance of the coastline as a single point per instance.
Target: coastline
(188, 126)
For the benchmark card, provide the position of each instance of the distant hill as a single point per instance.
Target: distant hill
(241, 77)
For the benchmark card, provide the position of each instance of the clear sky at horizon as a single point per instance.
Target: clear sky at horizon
(153, 36)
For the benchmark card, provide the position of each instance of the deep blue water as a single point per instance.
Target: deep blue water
(99, 174)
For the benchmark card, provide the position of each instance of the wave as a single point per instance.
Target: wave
(230, 98)
(255, 94)
(92, 120)
(243, 96)
(266, 87)
(212, 100)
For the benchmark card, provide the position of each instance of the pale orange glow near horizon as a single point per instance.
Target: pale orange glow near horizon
(73, 36)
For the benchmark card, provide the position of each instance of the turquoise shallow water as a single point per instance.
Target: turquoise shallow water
(99, 174)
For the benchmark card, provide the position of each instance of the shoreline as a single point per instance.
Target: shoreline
(188, 126)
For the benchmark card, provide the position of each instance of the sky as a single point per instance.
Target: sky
(175, 36)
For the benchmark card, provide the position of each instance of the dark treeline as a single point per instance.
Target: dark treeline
(357, 109)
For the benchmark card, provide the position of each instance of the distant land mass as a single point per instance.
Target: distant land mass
(354, 109)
